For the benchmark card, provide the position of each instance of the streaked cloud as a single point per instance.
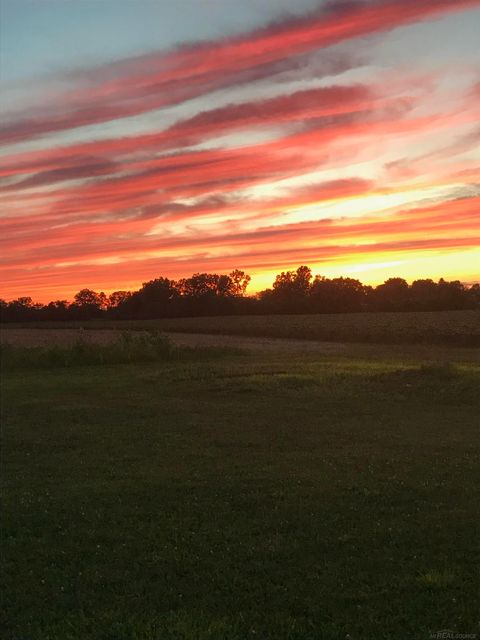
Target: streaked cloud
(303, 170)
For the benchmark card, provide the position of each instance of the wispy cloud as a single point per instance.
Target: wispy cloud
(258, 182)
(137, 85)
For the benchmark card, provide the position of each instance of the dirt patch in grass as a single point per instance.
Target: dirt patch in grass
(255, 344)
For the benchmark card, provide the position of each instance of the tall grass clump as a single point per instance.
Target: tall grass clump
(143, 347)
(130, 347)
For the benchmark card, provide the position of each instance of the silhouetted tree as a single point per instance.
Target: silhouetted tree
(473, 294)
(338, 295)
(117, 303)
(56, 310)
(209, 293)
(290, 291)
(87, 297)
(88, 304)
(117, 298)
(452, 295)
(239, 282)
(155, 299)
(200, 285)
(216, 294)
(392, 295)
(423, 295)
(22, 309)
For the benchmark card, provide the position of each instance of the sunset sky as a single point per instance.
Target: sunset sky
(162, 138)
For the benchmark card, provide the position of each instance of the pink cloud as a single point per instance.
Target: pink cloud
(134, 86)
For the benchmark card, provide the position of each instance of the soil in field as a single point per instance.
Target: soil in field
(37, 337)
(65, 337)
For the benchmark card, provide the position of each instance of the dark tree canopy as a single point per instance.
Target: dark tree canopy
(220, 294)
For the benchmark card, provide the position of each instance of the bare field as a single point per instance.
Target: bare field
(36, 337)
(461, 328)
(455, 328)
(69, 336)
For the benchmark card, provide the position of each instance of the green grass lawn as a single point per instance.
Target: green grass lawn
(241, 496)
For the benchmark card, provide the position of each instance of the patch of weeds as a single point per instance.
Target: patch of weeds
(295, 382)
(439, 370)
(414, 378)
(436, 580)
(145, 346)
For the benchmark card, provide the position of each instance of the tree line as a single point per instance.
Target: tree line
(213, 294)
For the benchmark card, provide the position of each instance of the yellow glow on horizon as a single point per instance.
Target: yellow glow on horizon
(454, 265)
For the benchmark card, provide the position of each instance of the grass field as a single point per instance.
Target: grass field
(439, 327)
(227, 496)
